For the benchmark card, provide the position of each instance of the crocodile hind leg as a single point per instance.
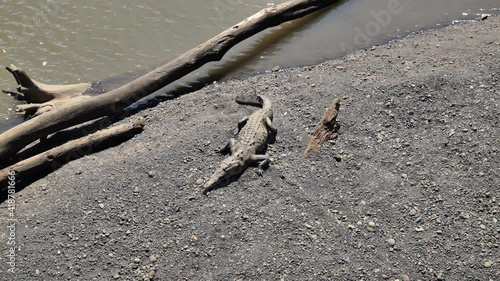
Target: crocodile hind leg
(242, 123)
(272, 130)
(263, 160)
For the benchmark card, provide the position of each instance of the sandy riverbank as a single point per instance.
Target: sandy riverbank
(415, 196)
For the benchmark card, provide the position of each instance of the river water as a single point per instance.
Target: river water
(63, 41)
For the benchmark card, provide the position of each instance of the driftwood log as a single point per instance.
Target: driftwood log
(325, 129)
(56, 157)
(59, 107)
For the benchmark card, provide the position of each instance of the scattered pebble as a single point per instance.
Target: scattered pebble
(152, 258)
(101, 205)
(199, 181)
(404, 277)
(391, 242)
(488, 263)
(419, 229)
(371, 226)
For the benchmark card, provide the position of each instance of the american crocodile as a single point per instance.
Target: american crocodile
(247, 148)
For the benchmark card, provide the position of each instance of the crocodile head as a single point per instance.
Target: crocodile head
(229, 167)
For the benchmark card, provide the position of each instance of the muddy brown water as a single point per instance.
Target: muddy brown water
(66, 42)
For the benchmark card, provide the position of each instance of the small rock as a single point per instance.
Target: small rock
(488, 263)
(37, 271)
(484, 16)
(199, 181)
(151, 174)
(101, 205)
(404, 277)
(151, 275)
(116, 276)
(419, 229)
(371, 226)
(413, 211)
(276, 68)
(152, 258)
(391, 242)
(137, 260)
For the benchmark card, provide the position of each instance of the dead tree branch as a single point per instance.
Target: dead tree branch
(56, 157)
(325, 129)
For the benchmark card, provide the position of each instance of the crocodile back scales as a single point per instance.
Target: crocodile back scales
(253, 136)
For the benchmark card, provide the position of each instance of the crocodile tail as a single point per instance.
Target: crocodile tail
(261, 102)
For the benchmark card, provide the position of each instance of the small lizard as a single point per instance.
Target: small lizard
(253, 134)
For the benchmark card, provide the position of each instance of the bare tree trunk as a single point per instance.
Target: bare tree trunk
(82, 108)
(71, 150)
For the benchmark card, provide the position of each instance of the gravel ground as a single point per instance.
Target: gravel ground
(415, 196)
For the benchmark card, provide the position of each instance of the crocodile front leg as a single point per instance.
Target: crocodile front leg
(263, 160)
(228, 148)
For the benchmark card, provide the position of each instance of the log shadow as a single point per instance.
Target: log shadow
(27, 178)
